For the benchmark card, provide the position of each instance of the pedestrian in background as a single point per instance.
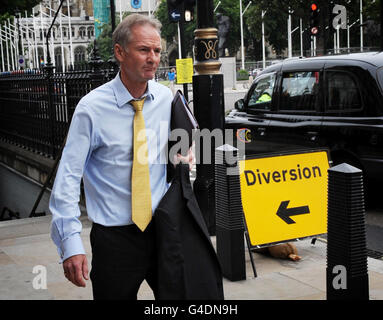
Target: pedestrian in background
(171, 78)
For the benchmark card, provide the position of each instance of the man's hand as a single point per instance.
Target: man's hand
(76, 269)
(188, 159)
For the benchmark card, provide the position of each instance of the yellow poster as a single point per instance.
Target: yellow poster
(184, 70)
(284, 197)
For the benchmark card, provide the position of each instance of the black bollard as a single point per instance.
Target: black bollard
(229, 216)
(347, 274)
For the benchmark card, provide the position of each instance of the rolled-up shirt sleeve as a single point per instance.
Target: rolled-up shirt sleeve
(64, 201)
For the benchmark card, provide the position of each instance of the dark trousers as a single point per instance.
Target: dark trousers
(122, 258)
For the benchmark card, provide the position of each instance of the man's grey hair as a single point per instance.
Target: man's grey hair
(122, 33)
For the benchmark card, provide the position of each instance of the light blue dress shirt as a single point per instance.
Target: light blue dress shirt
(99, 149)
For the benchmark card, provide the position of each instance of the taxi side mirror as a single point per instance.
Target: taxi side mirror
(240, 105)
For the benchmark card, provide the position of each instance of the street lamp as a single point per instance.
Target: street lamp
(112, 14)
(19, 47)
(349, 26)
(289, 36)
(208, 103)
(216, 7)
(241, 23)
(361, 25)
(263, 41)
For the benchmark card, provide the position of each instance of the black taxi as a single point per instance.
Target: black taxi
(332, 102)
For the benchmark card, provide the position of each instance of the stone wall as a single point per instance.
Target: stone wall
(32, 165)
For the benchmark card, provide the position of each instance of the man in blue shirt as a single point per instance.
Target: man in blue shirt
(171, 77)
(99, 150)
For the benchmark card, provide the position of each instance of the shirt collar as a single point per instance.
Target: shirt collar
(123, 95)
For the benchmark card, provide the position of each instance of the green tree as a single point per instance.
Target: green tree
(277, 15)
(104, 43)
(169, 30)
(228, 8)
(275, 22)
(104, 40)
(9, 8)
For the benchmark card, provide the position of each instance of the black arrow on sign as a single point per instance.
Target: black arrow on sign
(285, 213)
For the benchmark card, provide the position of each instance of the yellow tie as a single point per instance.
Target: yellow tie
(141, 194)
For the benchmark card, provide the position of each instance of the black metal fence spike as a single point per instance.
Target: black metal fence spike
(37, 105)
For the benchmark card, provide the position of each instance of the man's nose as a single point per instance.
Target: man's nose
(151, 55)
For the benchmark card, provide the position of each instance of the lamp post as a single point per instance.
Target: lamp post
(289, 36)
(242, 47)
(112, 60)
(263, 41)
(1, 51)
(19, 47)
(208, 99)
(241, 25)
(361, 25)
(112, 14)
(381, 25)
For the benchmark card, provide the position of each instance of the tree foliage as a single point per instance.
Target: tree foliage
(9, 8)
(275, 23)
(169, 30)
(104, 40)
(104, 43)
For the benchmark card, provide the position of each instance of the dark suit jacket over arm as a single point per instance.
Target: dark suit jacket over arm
(188, 267)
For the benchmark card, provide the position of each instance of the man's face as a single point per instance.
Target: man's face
(141, 57)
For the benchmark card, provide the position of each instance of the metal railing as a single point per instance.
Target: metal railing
(36, 106)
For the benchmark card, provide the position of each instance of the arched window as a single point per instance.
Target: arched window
(79, 54)
(82, 32)
(90, 32)
(58, 58)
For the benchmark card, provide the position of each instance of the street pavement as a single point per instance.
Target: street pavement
(30, 269)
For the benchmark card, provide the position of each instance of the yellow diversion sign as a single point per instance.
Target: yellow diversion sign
(284, 197)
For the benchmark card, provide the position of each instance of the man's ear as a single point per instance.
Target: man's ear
(119, 52)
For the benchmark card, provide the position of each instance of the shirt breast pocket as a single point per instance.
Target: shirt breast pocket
(116, 152)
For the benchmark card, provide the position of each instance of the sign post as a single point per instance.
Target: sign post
(184, 70)
(284, 197)
(21, 62)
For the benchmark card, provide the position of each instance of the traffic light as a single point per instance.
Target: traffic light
(174, 10)
(314, 19)
(181, 8)
(189, 10)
